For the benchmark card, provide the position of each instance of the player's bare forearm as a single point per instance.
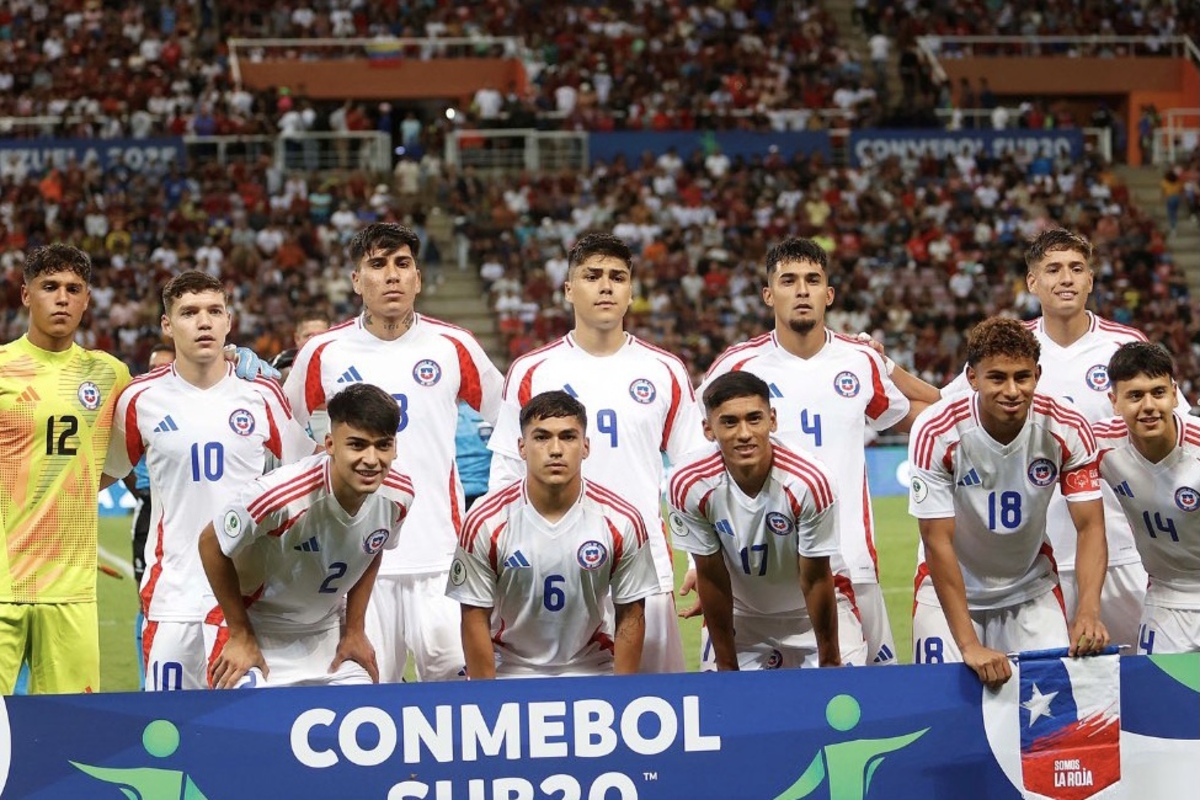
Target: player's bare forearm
(1088, 633)
(992, 666)
(916, 390)
(478, 650)
(716, 599)
(816, 583)
(359, 596)
(239, 654)
(629, 637)
(223, 577)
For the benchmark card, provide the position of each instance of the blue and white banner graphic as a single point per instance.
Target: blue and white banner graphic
(40, 155)
(878, 145)
(887, 471)
(841, 734)
(116, 501)
(746, 144)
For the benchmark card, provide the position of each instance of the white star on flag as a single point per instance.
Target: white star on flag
(1038, 704)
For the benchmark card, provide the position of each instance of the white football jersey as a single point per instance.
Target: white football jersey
(546, 583)
(998, 494)
(1079, 374)
(760, 537)
(1161, 502)
(201, 447)
(640, 405)
(428, 370)
(824, 405)
(296, 549)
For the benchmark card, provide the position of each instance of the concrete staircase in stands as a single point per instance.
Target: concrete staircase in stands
(1184, 245)
(854, 38)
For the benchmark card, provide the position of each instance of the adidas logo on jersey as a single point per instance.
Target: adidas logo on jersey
(350, 376)
(970, 479)
(775, 391)
(1123, 488)
(166, 425)
(724, 527)
(29, 396)
(309, 546)
(517, 561)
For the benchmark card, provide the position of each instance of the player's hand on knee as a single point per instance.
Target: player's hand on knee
(356, 647)
(689, 585)
(992, 666)
(238, 655)
(1088, 635)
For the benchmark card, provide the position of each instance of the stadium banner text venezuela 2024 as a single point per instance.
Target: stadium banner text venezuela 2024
(841, 734)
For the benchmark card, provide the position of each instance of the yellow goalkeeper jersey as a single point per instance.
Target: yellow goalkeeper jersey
(56, 414)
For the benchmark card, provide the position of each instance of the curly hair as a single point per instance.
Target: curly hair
(1001, 336)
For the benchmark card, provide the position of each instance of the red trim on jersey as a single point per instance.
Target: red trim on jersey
(517, 365)
(442, 323)
(879, 402)
(147, 592)
(757, 341)
(269, 501)
(274, 389)
(868, 529)
(525, 390)
(493, 547)
(1067, 416)
(148, 634)
(287, 526)
(1085, 478)
(396, 480)
(603, 639)
(702, 506)
(843, 586)
(1108, 326)
(669, 424)
(274, 442)
(818, 484)
(608, 498)
(135, 447)
(500, 632)
(618, 544)
(688, 476)
(922, 574)
(483, 510)
(793, 502)
(314, 390)
(1110, 429)
(1048, 551)
(456, 515)
(1032, 324)
(470, 385)
(927, 436)
(948, 459)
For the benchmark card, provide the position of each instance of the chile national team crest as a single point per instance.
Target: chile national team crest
(1042, 472)
(375, 542)
(1097, 378)
(89, 395)
(241, 422)
(846, 384)
(1187, 498)
(592, 555)
(778, 523)
(427, 372)
(643, 391)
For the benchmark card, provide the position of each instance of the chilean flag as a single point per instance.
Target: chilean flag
(1070, 713)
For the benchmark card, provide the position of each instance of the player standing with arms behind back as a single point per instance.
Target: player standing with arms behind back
(761, 523)
(56, 410)
(1150, 456)
(827, 390)
(984, 467)
(427, 366)
(641, 402)
(539, 557)
(205, 433)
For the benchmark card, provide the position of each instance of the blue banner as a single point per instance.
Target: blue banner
(887, 471)
(632, 144)
(842, 734)
(39, 155)
(878, 145)
(116, 501)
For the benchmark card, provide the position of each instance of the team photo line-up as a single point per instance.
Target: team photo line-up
(311, 527)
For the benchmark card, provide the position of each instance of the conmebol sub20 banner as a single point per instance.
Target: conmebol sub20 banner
(878, 145)
(40, 155)
(844, 734)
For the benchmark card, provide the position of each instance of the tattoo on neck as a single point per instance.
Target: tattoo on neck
(402, 324)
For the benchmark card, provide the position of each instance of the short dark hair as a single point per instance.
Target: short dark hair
(191, 281)
(1140, 358)
(1001, 336)
(311, 315)
(366, 407)
(796, 249)
(547, 405)
(386, 236)
(1054, 239)
(599, 244)
(733, 385)
(284, 360)
(163, 347)
(56, 258)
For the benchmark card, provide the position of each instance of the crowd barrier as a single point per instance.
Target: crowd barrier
(844, 734)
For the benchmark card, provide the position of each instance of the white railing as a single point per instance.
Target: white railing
(308, 152)
(517, 149)
(1177, 137)
(422, 48)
